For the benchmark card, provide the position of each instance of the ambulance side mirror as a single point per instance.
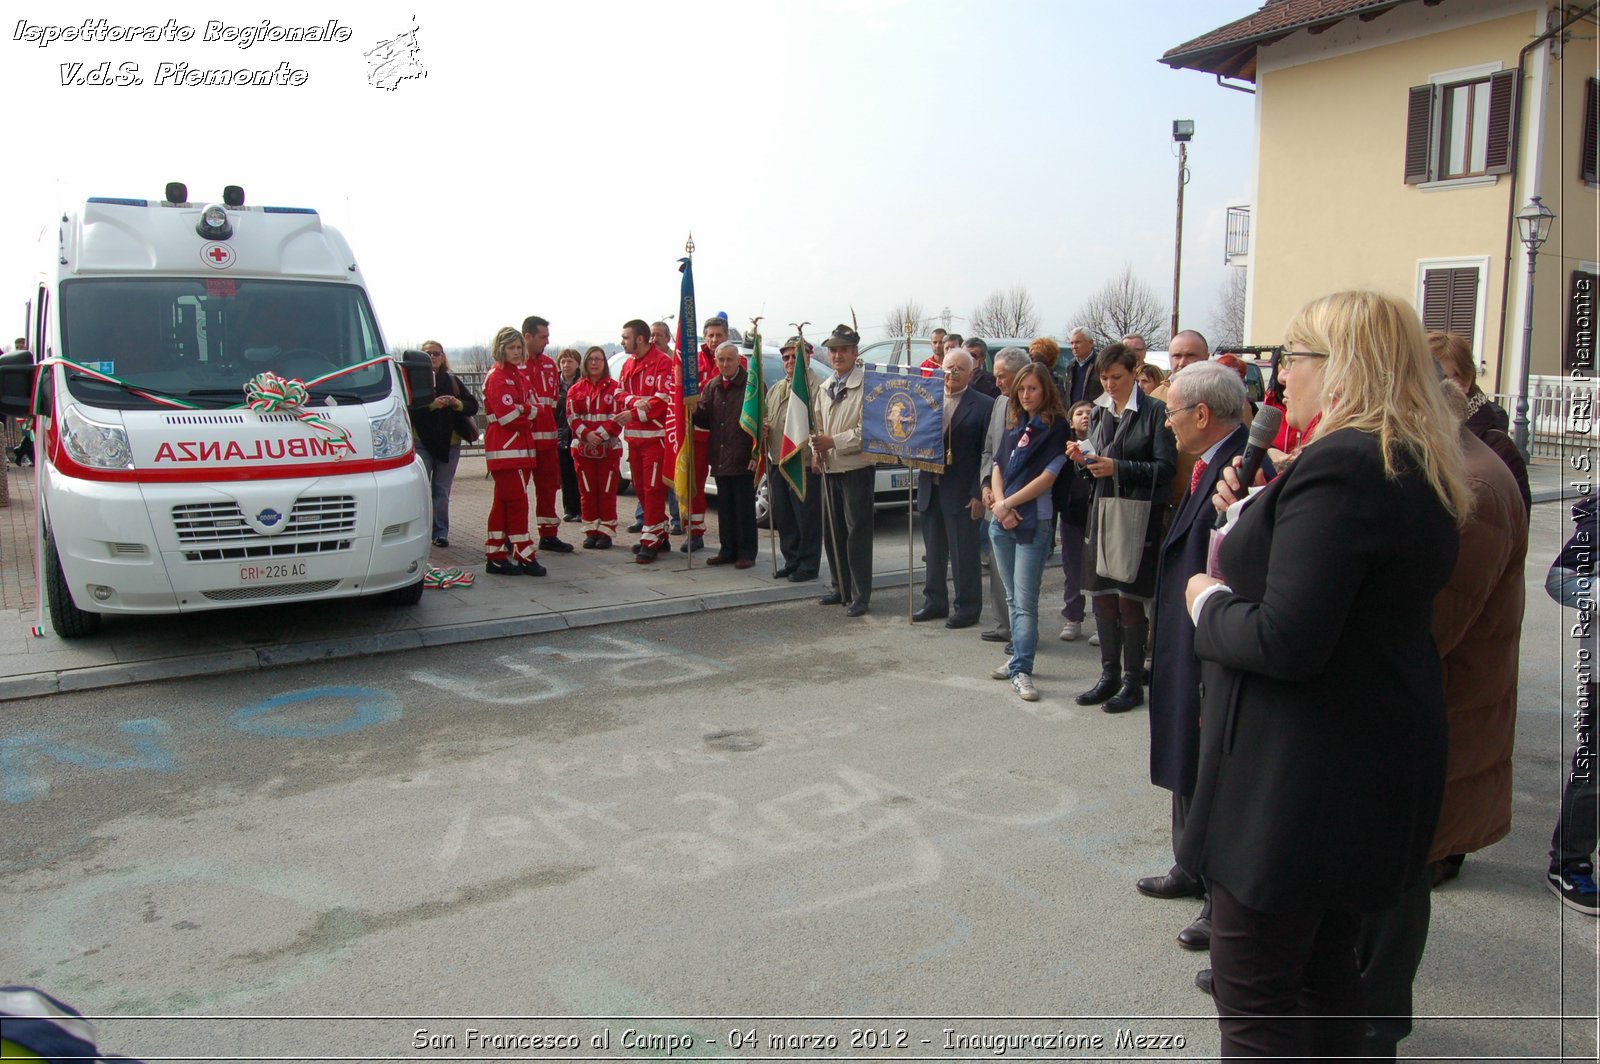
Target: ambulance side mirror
(16, 384)
(418, 369)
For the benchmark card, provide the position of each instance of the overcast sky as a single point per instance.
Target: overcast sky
(823, 152)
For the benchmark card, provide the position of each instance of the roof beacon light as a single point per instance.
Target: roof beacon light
(177, 192)
(214, 224)
(233, 195)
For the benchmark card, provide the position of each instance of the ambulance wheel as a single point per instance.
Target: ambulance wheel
(66, 618)
(409, 595)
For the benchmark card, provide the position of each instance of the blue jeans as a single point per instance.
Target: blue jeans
(1021, 567)
(441, 475)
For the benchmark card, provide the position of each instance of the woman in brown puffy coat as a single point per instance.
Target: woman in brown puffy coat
(1477, 625)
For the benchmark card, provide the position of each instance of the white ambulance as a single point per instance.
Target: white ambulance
(219, 424)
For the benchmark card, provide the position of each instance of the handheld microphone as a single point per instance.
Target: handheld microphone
(1263, 430)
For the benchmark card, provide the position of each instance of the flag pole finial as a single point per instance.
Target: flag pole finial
(688, 246)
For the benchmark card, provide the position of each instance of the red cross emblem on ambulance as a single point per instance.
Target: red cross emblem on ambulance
(217, 256)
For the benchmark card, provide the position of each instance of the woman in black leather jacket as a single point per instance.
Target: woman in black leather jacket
(1131, 454)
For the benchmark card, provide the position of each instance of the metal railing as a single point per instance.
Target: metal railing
(1560, 415)
(1237, 243)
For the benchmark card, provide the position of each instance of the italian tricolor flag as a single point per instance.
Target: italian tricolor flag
(796, 424)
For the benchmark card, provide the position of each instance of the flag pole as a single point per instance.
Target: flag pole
(911, 505)
(772, 491)
(687, 329)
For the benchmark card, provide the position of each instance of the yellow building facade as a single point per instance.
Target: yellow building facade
(1396, 141)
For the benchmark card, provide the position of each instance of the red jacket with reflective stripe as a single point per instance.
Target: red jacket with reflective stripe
(508, 438)
(544, 385)
(650, 378)
(593, 405)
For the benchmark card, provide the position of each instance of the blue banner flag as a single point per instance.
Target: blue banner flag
(688, 338)
(902, 416)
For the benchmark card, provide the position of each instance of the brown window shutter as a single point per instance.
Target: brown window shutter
(1436, 300)
(1450, 301)
(1591, 133)
(1419, 135)
(1502, 105)
(1579, 355)
(1464, 303)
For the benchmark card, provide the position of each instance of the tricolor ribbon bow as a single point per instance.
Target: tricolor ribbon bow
(269, 393)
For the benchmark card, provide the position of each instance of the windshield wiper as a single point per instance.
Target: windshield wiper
(131, 389)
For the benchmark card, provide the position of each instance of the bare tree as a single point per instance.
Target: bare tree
(1227, 319)
(894, 322)
(1124, 305)
(1006, 314)
(471, 361)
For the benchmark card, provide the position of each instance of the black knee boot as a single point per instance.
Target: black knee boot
(1132, 692)
(1110, 648)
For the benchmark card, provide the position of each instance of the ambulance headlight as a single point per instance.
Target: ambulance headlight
(214, 224)
(92, 444)
(391, 434)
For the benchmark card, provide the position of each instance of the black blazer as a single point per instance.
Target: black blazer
(961, 481)
(1174, 670)
(1322, 749)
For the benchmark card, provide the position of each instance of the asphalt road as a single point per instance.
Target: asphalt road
(737, 839)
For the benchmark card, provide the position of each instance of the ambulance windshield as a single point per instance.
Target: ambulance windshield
(201, 340)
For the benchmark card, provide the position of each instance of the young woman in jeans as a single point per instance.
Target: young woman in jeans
(1031, 454)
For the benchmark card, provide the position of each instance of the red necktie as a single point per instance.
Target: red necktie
(1194, 478)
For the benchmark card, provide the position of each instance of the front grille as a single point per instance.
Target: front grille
(240, 594)
(223, 522)
(267, 550)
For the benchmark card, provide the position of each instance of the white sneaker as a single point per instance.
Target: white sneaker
(1003, 672)
(1022, 683)
(1094, 640)
(1071, 631)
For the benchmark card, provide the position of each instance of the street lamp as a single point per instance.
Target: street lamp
(1533, 226)
(1182, 133)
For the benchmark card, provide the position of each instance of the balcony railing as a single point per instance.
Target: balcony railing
(1236, 251)
(1560, 416)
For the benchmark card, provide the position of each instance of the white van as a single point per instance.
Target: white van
(163, 487)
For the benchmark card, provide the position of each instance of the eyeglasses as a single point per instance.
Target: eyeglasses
(1289, 357)
(1171, 410)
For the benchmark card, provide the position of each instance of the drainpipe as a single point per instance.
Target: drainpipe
(1516, 159)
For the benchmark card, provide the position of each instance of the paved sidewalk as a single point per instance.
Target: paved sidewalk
(583, 588)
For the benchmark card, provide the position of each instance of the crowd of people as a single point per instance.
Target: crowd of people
(1362, 600)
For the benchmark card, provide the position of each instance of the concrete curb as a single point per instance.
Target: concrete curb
(39, 684)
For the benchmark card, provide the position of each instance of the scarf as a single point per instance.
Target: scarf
(1029, 449)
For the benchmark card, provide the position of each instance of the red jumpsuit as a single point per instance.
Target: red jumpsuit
(592, 406)
(707, 363)
(544, 383)
(508, 452)
(648, 379)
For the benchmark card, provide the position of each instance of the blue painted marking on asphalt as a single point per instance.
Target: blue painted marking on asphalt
(18, 784)
(371, 707)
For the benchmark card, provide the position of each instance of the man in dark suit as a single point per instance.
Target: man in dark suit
(1080, 382)
(1205, 408)
(951, 502)
(983, 381)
